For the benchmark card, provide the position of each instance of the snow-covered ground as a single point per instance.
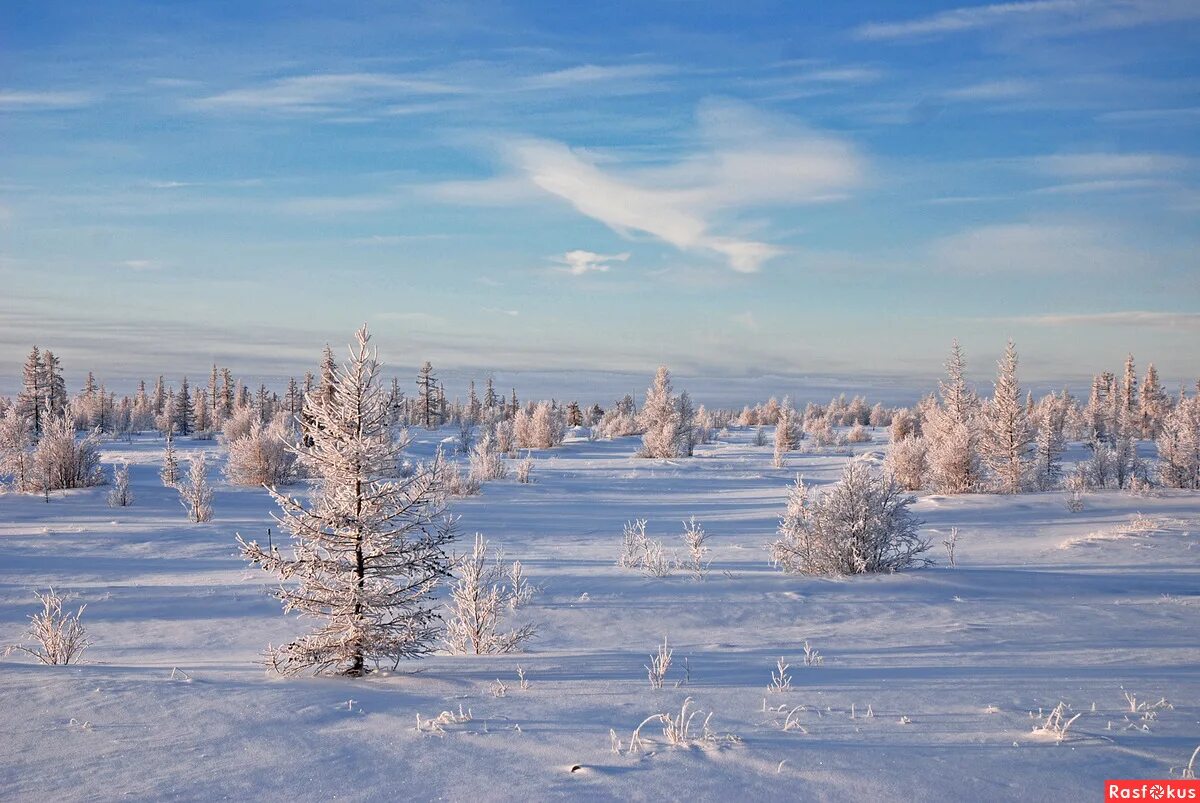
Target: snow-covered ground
(926, 689)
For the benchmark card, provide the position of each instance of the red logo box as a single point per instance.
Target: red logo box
(1152, 790)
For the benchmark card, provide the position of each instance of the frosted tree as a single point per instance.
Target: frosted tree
(1006, 432)
(169, 473)
(907, 463)
(657, 417)
(952, 431)
(16, 449)
(54, 384)
(686, 415)
(183, 413)
(61, 461)
(1153, 404)
(1050, 442)
(195, 494)
(1179, 446)
(1129, 395)
(428, 404)
(31, 400)
(120, 495)
(368, 550)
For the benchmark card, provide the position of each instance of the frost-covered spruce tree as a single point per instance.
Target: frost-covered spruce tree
(368, 550)
(120, 495)
(195, 494)
(169, 473)
(951, 430)
(658, 418)
(1179, 446)
(1006, 432)
(1153, 404)
(1050, 442)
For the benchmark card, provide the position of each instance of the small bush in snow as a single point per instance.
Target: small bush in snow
(478, 599)
(858, 434)
(1056, 724)
(760, 436)
(781, 678)
(487, 462)
(861, 525)
(694, 539)
(60, 637)
(1076, 485)
(633, 544)
(951, 544)
(459, 483)
(195, 494)
(525, 469)
(660, 662)
(906, 462)
(677, 730)
(262, 456)
(120, 495)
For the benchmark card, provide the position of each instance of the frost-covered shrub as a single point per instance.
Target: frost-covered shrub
(120, 495)
(195, 494)
(695, 540)
(860, 525)
(503, 434)
(858, 434)
(525, 470)
(479, 600)
(60, 461)
(904, 425)
(262, 456)
(544, 428)
(486, 461)
(459, 483)
(906, 463)
(239, 425)
(16, 450)
(1077, 486)
(60, 637)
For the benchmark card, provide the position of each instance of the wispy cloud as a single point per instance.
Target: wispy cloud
(1085, 165)
(17, 101)
(631, 76)
(306, 94)
(1142, 318)
(1044, 17)
(990, 90)
(745, 159)
(1035, 248)
(579, 262)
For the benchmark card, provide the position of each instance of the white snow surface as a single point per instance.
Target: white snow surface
(926, 692)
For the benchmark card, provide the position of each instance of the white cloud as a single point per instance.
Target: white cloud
(43, 101)
(631, 76)
(1034, 248)
(1043, 17)
(990, 90)
(320, 93)
(141, 264)
(745, 159)
(1140, 318)
(579, 262)
(1087, 165)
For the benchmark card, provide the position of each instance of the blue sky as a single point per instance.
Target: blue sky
(729, 188)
